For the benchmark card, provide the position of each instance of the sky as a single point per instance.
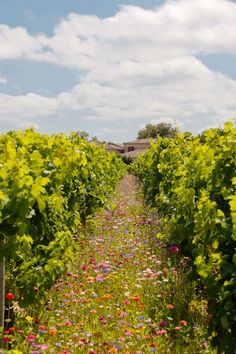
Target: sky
(110, 67)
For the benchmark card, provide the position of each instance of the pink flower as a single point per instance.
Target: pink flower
(161, 332)
(67, 323)
(128, 333)
(42, 346)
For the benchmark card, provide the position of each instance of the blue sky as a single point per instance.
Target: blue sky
(117, 68)
(41, 16)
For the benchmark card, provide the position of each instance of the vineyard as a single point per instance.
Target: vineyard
(93, 271)
(192, 183)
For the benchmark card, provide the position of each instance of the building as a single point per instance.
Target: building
(134, 149)
(118, 149)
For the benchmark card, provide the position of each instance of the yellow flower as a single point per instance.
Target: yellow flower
(29, 318)
(106, 297)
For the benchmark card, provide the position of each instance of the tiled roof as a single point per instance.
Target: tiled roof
(115, 145)
(134, 153)
(138, 141)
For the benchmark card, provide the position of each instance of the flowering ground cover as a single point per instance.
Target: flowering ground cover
(126, 292)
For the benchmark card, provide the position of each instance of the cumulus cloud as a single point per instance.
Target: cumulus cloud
(177, 28)
(137, 64)
(26, 106)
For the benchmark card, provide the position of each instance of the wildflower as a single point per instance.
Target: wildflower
(135, 298)
(102, 320)
(113, 350)
(162, 323)
(169, 306)
(161, 332)
(9, 296)
(126, 302)
(29, 318)
(106, 297)
(204, 344)
(83, 341)
(6, 339)
(123, 314)
(67, 323)
(174, 249)
(42, 346)
(99, 278)
(90, 279)
(42, 329)
(128, 333)
(147, 337)
(52, 330)
(31, 338)
(117, 346)
(183, 323)
(178, 328)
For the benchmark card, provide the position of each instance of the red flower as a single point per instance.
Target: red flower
(31, 338)
(11, 329)
(9, 296)
(174, 249)
(6, 339)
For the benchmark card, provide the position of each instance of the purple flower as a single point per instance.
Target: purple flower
(162, 323)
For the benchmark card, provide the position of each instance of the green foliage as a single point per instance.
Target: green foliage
(192, 183)
(127, 160)
(157, 130)
(49, 186)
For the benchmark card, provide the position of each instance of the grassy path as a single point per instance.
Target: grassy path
(104, 304)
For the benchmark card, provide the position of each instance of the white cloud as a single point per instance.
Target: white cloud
(3, 80)
(16, 43)
(25, 106)
(137, 64)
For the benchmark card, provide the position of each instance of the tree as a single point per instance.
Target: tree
(77, 136)
(82, 134)
(155, 130)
